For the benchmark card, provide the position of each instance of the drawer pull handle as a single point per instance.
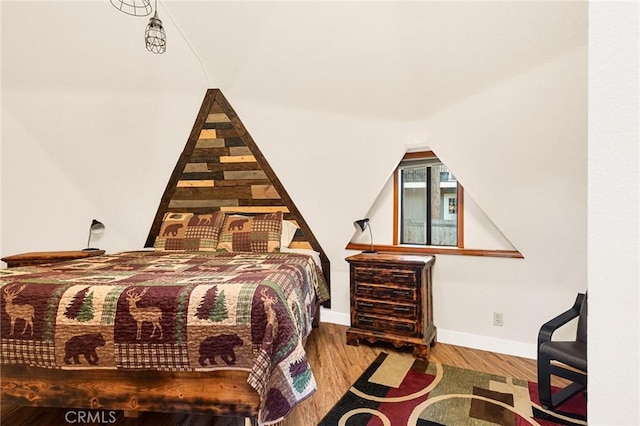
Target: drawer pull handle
(402, 308)
(401, 275)
(366, 304)
(402, 293)
(366, 320)
(405, 326)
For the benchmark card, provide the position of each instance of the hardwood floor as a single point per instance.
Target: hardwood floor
(335, 365)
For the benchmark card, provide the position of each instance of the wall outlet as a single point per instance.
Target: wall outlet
(497, 319)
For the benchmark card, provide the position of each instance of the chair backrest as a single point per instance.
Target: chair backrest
(581, 335)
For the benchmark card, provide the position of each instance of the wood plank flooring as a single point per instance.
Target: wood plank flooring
(335, 365)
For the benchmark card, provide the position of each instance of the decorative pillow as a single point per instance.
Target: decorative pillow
(288, 232)
(190, 232)
(255, 234)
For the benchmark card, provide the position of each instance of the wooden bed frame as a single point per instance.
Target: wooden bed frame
(222, 393)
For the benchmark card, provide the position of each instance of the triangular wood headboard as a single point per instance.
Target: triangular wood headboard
(222, 168)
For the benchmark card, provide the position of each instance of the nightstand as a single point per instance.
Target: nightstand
(391, 300)
(41, 257)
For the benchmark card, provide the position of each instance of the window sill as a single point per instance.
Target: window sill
(437, 250)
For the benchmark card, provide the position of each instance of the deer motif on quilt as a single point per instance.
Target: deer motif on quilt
(24, 312)
(150, 314)
(272, 320)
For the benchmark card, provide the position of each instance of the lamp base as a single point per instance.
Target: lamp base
(90, 249)
(370, 252)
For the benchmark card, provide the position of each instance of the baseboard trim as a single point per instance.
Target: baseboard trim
(474, 341)
(485, 343)
(327, 315)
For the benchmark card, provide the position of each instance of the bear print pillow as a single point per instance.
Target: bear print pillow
(190, 232)
(255, 234)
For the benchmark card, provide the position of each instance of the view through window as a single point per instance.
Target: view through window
(428, 208)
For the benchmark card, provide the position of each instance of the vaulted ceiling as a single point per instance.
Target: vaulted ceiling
(391, 59)
(381, 59)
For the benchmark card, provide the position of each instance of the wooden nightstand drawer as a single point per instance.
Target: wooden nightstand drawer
(393, 325)
(385, 275)
(402, 294)
(409, 311)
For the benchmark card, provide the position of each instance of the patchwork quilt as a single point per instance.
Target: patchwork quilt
(171, 311)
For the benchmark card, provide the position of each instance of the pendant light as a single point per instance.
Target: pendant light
(154, 36)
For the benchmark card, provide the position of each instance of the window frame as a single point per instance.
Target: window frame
(430, 250)
(424, 155)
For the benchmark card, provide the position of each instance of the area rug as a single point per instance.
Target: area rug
(396, 390)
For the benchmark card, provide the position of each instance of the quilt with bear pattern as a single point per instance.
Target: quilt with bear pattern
(171, 311)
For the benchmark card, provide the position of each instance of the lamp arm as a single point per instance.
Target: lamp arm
(370, 236)
(89, 239)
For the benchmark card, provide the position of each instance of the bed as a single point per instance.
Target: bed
(211, 319)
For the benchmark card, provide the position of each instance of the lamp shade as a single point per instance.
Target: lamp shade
(361, 225)
(96, 227)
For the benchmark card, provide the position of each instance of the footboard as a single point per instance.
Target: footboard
(222, 393)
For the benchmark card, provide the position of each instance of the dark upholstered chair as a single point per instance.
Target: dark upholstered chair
(567, 359)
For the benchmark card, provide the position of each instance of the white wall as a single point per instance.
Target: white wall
(91, 128)
(614, 230)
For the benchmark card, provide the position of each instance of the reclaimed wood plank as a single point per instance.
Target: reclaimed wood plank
(195, 167)
(234, 141)
(212, 193)
(194, 204)
(248, 174)
(228, 133)
(218, 392)
(262, 192)
(252, 202)
(219, 117)
(301, 245)
(210, 152)
(195, 183)
(255, 209)
(239, 150)
(233, 166)
(241, 182)
(210, 143)
(208, 134)
(219, 127)
(238, 159)
(213, 175)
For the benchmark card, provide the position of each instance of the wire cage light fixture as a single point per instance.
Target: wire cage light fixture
(155, 39)
(154, 36)
(133, 7)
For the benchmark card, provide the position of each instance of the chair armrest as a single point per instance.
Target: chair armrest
(548, 328)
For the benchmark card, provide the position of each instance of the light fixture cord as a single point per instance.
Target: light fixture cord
(204, 69)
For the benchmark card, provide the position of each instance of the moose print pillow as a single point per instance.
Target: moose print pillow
(255, 234)
(189, 231)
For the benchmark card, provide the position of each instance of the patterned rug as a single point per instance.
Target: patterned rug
(397, 390)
